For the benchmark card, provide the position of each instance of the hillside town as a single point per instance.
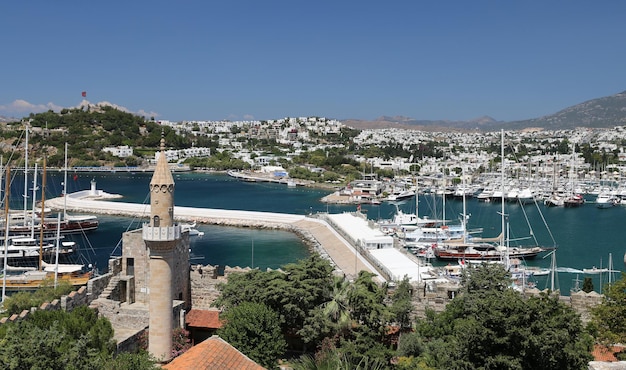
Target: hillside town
(543, 161)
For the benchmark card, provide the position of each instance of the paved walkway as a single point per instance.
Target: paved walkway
(338, 249)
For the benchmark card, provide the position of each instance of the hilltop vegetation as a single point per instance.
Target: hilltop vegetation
(87, 132)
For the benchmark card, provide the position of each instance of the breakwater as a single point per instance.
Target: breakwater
(316, 234)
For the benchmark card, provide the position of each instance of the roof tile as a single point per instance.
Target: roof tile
(606, 354)
(208, 319)
(214, 354)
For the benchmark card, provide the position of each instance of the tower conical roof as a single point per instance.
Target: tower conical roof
(162, 174)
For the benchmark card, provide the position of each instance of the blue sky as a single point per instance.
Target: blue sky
(211, 60)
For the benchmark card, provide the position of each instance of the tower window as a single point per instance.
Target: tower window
(156, 221)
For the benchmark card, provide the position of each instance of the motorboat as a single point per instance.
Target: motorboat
(191, 228)
(606, 200)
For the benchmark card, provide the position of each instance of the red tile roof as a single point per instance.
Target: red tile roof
(208, 319)
(214, 354)
(606, 354)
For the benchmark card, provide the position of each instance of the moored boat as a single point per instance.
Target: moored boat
(606, 200)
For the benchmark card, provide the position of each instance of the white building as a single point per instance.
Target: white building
(122, 151)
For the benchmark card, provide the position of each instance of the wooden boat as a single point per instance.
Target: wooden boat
(32, 280)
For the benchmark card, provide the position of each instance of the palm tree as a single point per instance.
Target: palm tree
(338, 309)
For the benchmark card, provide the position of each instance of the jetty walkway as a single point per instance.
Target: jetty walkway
(325, 239)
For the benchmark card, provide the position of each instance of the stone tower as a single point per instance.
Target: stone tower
(161, 236)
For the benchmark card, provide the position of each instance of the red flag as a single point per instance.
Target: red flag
(84, 94)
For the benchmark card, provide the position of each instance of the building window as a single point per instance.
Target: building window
(130, 266)
(156, 221)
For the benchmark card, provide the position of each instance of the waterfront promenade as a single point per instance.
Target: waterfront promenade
(316, 231)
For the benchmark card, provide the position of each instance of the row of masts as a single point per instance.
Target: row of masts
(26, 217)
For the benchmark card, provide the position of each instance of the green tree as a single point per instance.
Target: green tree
(255, 330)
(332, 317)
(292, 292)
(371, 319)
(587, 285)
(490, 325)
(401, 304)
(130, 361)
(57, 340)
(330, 358)
(608, 321)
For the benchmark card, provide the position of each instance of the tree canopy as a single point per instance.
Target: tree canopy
(64, 340)
(490, 325)
(609, 318)
(350, 325)
(254, 329)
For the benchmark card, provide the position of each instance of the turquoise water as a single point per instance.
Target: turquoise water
(584, 236)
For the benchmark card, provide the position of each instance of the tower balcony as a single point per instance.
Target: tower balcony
(164, 233)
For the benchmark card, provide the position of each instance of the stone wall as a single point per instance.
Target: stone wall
(81, 297)
(583, 303)
(205, 281)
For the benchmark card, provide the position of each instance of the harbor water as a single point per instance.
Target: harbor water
(584, 237)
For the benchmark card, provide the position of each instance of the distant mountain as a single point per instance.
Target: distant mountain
(424, 125)
(606, 112)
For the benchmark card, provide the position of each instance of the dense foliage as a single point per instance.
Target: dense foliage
(254, 329)
(609, 323)
(490, 326)
(21, 301)
(316, 307)
(64, 340)
(354, 325)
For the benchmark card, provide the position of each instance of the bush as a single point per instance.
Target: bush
(21, 301)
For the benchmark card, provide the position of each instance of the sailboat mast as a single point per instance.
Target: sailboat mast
(502, 180)
(443, 198)
(553, 271)
(32, 224)
(464, 222)
(26, 176)
(65, 186)
(43, 212)
(417, 200)
(6, 231)
(56, 260)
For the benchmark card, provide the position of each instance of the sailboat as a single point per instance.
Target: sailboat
(555, 199)
(32, 222)
(485, 249)
(32, 279)
(74, 223)
(574, 199)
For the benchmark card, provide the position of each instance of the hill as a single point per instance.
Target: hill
(87, 130)
(605, 112)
